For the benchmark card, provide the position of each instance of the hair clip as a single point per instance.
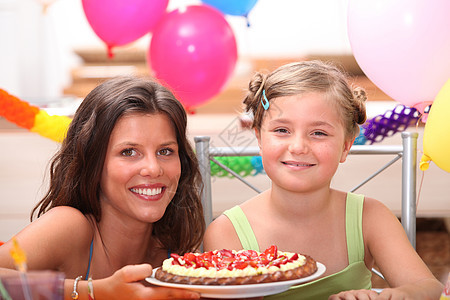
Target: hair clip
(265, 101)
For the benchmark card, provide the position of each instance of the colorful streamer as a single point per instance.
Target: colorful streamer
(32, 117)
(17, 111)
(52, 127)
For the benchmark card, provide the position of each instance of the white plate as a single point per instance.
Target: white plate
(240, 291)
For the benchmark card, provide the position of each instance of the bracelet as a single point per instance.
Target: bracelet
(74, 294)
(90, 289)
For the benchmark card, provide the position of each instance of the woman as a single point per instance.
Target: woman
(124, 194)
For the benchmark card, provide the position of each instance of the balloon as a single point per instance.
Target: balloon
(119, 22)
(233, 7)
(436, 142)
(193, 50)
(403, 46)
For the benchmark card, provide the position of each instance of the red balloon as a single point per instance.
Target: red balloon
(120, 22)
(193, 50)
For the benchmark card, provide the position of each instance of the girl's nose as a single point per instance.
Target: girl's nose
(298, 145)
(151, 167)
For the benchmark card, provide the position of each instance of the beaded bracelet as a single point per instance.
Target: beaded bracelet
(90, 289)
(74, 294)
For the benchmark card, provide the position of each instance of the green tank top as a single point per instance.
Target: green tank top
(355, 276)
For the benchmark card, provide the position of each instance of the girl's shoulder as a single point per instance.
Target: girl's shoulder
(220, 234)
(374, 212)
(255, 203)
(375, 208)
(379, 220)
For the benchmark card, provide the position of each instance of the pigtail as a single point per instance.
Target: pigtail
(255, 88)
(252, 100)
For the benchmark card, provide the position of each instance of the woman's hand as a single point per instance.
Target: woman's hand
(126, 284)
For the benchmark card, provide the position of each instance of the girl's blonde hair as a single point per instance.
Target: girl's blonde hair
(305, 77)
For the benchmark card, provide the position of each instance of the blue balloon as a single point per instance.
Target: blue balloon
(232, 7)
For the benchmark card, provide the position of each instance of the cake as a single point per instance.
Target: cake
(230, 267)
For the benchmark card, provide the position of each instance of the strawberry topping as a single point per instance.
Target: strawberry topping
(227, 259)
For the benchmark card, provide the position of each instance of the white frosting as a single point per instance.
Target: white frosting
(248, 271)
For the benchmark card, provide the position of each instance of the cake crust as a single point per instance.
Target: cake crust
(268, 262)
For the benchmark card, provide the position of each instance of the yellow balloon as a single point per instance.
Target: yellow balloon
(436, 139)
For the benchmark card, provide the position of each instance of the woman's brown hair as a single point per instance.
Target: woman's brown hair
(76, 169)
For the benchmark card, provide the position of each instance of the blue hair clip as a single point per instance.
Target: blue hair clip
(264, 101)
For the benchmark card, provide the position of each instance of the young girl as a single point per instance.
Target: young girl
(124, 193)
(306, 118)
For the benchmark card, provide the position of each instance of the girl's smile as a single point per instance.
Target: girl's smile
(296, 164)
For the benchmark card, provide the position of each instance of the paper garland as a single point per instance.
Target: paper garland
(32, 117)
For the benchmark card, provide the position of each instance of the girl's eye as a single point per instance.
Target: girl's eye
(165, 152)
(319, 133)
(128, 152)
(281, 130)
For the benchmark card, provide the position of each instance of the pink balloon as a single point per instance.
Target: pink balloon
(403, 46)
(119, 22)
(193, 50)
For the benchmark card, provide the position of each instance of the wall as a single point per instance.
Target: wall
(36, 53)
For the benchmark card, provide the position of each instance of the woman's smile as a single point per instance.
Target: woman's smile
(149, 193)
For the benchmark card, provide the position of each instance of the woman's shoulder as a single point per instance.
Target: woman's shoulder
(66, 223)
(68, 215)
(59, 233)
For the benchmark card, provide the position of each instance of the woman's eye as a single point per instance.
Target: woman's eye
(165, 152)
(128, 152)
